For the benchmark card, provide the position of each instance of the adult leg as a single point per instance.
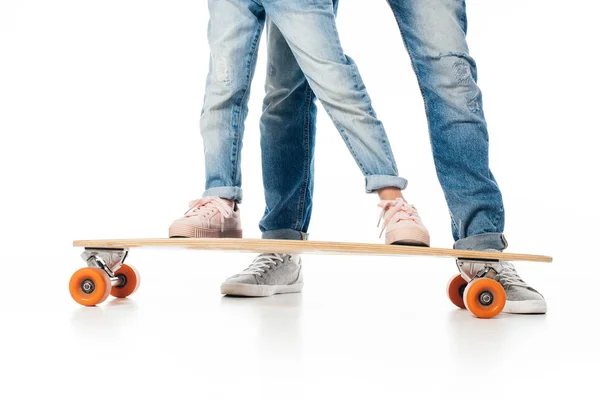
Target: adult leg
(234, 31)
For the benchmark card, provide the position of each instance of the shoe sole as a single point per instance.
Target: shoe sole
(525, 307)
(408, 236)
(242, 289)
(187, 231)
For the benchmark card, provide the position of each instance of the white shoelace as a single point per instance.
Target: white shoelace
(262, 263)
(205, 206)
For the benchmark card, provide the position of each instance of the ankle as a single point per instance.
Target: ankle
(390, 193)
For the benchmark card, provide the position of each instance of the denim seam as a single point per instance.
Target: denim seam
(386, 144)
(453, 221)
(306, 131)
(343, 131)
(498, 216)
(463, 16)
(246, 90)
(344, 135)
(349, 145)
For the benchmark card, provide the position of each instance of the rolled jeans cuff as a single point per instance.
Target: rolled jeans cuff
(285, 234)
(225, 192)
(482, 242)
(376, 182)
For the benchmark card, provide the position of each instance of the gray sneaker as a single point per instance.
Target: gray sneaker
(520, 297)
(268, 274)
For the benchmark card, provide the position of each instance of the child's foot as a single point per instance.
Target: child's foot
(520, 297)
(210, 217)
(268, 274)
(402, 224)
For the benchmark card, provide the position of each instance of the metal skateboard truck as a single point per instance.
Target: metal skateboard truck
(475, 287)
(106, 274)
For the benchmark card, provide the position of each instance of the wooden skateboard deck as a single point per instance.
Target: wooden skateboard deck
(305, 247)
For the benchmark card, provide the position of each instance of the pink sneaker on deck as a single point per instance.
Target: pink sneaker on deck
(402, 224)
(210, 217)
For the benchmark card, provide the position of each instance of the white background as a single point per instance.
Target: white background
(99, 115)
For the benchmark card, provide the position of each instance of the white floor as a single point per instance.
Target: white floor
(364, 327)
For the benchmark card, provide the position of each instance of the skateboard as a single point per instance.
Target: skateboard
(473, 288)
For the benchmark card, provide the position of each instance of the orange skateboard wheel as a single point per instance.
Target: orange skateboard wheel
(484, 297)
(89, 286)
(456, 288)
(132, 281)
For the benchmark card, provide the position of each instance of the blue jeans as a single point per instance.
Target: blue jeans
(434, 33)
(309, 31)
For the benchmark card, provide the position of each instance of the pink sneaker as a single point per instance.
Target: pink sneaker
(402, 224)
(210, 217)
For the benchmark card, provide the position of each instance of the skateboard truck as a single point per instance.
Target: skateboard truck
(105, 274)
(476, 289)
(108, 260)
(471, 269)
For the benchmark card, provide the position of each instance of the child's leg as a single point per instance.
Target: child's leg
(234, 34)
(310, 30)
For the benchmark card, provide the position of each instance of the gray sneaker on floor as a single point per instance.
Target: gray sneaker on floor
(268, 274)
(520, 297)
